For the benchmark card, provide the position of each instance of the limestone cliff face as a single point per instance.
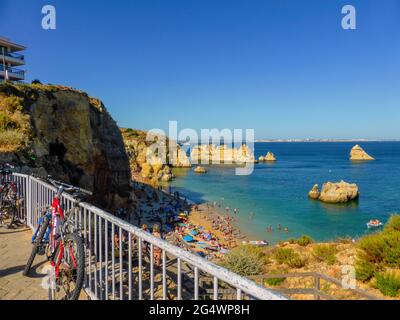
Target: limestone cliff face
(222, 154)
(73, 138)
(358, 154)
(149, 163)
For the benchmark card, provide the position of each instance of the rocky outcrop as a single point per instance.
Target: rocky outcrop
(150, 162)
(358, 154)
(72, 137)
(270, 157)
(314, 193)
(222, 154)
(182, 160)
(340, 192)
(200, 170)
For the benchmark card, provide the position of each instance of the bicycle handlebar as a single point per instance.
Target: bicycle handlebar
(67, 187)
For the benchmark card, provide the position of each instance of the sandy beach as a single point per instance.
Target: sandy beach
(199, 228)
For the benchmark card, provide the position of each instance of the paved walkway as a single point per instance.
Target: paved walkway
(15, 249)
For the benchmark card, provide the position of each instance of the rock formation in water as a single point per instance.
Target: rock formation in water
(314, 193)
(63, 132)
(151, 162)
(270, 157)
(358, 154)
(223, 154)
(340, 192)
(200, 170)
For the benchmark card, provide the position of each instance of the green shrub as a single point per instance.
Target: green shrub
(379, 251)
(326, 253)
(275, 281)
(393, 223)
(305, 240)
(282, 255)
(245, 260)
(388, 283)
(364, 270)
(289, 257)
(382, 248)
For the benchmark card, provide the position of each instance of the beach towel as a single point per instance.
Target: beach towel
(188, 239)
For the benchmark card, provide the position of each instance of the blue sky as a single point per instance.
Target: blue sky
(285, 68)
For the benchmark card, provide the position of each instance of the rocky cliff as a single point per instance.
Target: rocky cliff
(63, 132)
(148, 161)
(222, 154)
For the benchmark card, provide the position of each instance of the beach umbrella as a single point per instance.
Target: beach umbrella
(194, 233)
(188, 238)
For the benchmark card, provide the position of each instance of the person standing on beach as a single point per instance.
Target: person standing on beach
(157, 251)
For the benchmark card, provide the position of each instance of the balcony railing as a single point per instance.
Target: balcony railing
(120, 258)
(14, 71)
(15, 55)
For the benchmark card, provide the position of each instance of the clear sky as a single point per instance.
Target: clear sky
(285, 68)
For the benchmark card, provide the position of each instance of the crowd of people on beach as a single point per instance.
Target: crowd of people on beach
(170, 216)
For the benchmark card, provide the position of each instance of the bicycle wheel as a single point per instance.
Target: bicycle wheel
(12, 214)
(69, 283)
(37, 243)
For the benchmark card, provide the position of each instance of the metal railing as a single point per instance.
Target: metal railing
(125, 262)
(13, 70)
(334, 287)
(12, 55)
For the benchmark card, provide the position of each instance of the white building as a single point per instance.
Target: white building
(9, 59)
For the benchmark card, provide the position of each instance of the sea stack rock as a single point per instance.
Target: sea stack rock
(200, 170)
(358, 154)
(270, 157)
(314, 193)
(340, 192)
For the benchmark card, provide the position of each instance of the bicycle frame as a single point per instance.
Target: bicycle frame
(55, 233)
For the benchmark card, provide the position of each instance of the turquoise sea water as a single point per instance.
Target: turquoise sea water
(277, 193)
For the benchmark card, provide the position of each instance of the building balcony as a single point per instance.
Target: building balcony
(13, 73)
(14, 59)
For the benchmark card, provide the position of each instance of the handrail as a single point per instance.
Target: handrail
(12, 70)
(316, 291)
(241, 284)
(14, 55)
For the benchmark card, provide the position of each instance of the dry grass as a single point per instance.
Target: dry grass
(14, 124)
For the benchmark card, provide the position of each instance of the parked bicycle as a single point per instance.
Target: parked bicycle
(8, 197)
(58, 237)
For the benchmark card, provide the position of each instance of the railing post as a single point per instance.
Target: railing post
(28, 198)
(317, 287)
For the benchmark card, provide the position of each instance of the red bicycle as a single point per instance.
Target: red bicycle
(58, 237)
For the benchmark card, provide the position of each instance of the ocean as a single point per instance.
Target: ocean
(277, 193)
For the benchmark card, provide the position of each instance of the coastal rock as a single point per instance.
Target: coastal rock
(270, 157)
(358, 154)
(223, 154)
(200, 170)
(182, 160)
(139, 147)
(340, 192)
(72, 137)
(147, 170)
(314, 193)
